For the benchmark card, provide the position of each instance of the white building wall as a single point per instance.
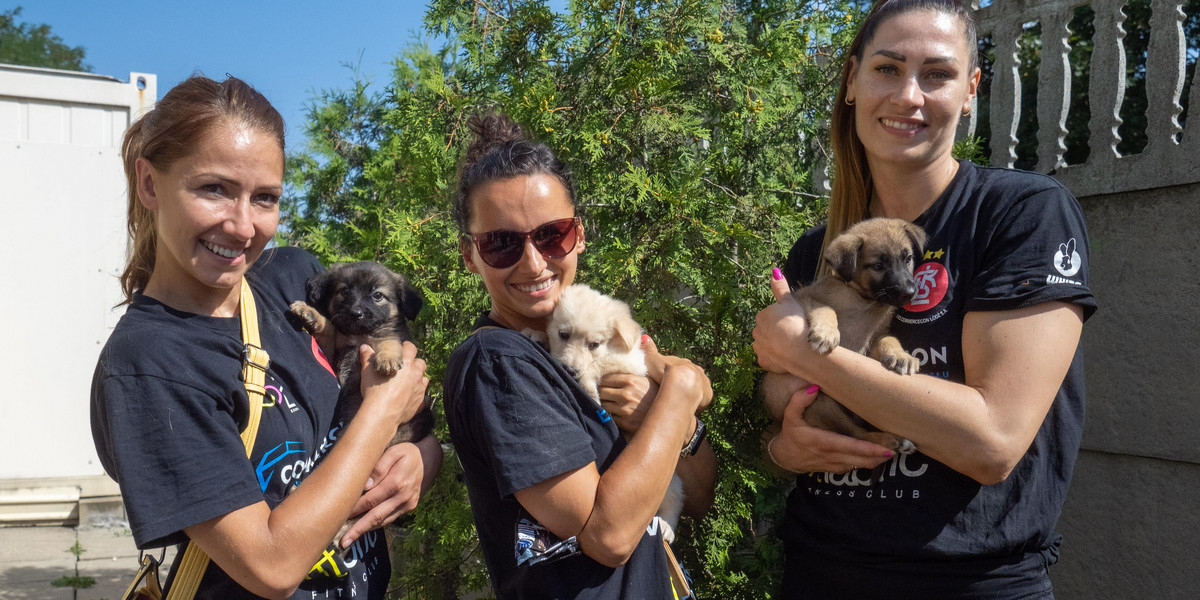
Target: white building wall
(62, 205)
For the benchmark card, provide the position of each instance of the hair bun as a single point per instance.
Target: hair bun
(491, 130)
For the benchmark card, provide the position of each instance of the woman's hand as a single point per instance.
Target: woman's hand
(627, 398)
(802, 448)
(402, 475)
(404, 391)
(781, 329)
(680, 371)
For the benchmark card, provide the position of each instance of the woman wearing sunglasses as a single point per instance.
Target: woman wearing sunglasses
(564, 506)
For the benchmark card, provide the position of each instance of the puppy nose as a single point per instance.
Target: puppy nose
(572, 370)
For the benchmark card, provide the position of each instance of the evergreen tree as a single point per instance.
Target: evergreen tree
(693, 128)
(36, 46)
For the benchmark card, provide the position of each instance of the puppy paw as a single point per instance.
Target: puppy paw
(891, 441)
(308, 315)
(387, 363)
(824, 339)
(535, 335)
(902, 363)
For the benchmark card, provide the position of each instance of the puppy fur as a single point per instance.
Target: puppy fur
(872, 264)
(362, 303)
(594, 335)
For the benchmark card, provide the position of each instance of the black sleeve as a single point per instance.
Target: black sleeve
(804, 258)
(530, 428)
(1037, 252)
(176, 453)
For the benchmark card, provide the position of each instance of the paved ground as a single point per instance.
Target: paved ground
(32, 557)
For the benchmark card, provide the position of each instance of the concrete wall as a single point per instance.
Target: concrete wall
(62, 195)
(1130, 527)
(1130, 524)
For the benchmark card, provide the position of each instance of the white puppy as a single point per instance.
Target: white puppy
(594, 335)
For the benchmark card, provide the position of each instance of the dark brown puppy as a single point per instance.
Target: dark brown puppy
(362, 303)
(872, 264)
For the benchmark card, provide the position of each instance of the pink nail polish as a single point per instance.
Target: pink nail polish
(645, 338)
(890, 454)
(812, 389)
(776, 274)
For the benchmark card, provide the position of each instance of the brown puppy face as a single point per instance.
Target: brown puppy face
(362, 297)
(876, 258)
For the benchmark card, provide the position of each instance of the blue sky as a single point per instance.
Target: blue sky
(288, 50)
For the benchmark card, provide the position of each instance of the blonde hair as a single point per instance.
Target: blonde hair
(852, 185)
(170, 131)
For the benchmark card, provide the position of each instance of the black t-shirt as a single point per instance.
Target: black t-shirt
(517, 418)
(999, 239)
(168, 407)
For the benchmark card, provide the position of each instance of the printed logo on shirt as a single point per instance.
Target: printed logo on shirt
(902, 475)
(1067, 261)
(933, 282)
(265, 469)
(275, 396)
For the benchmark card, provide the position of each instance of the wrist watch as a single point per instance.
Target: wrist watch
(690, 448)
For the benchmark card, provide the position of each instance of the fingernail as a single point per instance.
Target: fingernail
(370, 481)
(776, 274)
(889, 454)
(645, 338)
(812, 389)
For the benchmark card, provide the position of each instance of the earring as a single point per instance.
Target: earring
(966, 113)
(849, 102)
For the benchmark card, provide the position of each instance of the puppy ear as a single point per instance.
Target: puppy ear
(842, 256)
(917, 238)
(317, 289)
(626, 332)
(408, 295)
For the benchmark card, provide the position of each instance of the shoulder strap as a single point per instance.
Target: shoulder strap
(254, 374)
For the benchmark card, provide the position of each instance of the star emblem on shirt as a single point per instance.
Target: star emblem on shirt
(931, 254)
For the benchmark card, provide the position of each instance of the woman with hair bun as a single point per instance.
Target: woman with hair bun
(564, 506)
(205, 172)
(997, 411)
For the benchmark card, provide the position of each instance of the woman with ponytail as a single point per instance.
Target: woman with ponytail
(997, 411)
(169, 407)
(564, 507)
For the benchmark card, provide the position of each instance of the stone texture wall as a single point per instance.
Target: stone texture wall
(1130, 525)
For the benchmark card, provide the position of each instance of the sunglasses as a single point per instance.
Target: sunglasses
(502, 248)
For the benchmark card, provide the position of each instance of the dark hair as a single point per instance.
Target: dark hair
(170, 131)
(500, 150)
(852, 177)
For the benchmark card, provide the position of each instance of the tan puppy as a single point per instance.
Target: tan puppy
(872, 265)
(594, 335)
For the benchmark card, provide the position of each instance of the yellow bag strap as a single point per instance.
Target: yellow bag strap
(254, 374)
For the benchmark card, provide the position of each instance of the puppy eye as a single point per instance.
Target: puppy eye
(877, 266)
(377, 296)
(564, 335)
(593, 345)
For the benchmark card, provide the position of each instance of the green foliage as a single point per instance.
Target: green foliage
(36, 46)
(690, 127)
(79, 582)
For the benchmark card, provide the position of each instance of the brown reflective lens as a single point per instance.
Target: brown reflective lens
(502, 248)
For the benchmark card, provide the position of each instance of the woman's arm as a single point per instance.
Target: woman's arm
(269, 552)
(1014, 363)
(396, 484)
(609, 513)
(627, 398)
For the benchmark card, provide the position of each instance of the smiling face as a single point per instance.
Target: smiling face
(909, 89)
(524, 294)
(215, 210)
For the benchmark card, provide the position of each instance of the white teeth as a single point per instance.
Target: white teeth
(537, 286)
(226, 252)
(899, 125)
